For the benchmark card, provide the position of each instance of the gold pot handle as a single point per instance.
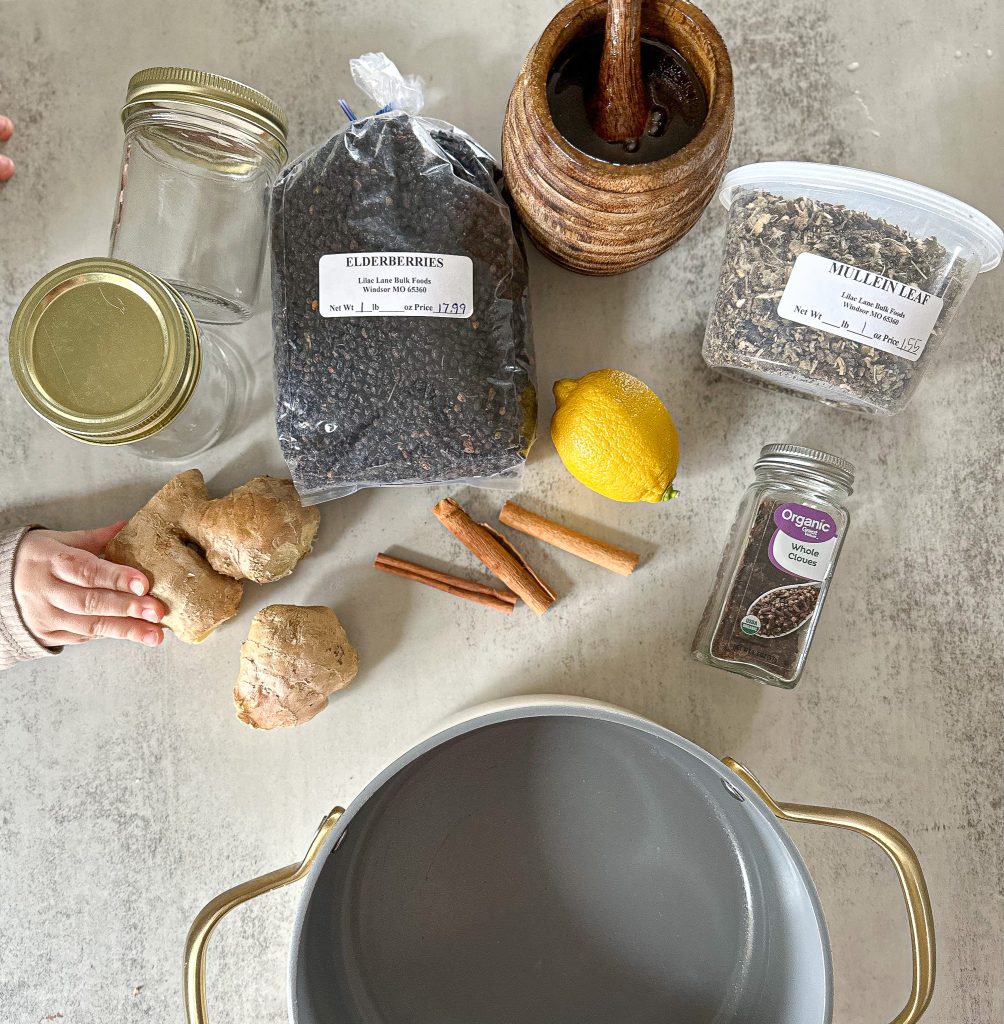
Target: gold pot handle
(911, 879)
(216, 909)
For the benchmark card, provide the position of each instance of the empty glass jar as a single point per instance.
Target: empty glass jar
(111, 355)
(201, 153)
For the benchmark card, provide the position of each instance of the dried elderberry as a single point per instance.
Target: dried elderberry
(412, 362)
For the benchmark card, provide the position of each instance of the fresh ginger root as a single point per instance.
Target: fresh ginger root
(293, 658)
(194, 550)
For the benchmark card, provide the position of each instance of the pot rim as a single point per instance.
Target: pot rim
(721, 100)
(542, 706)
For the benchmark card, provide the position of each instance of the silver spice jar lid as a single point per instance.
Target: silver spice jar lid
(812, 461)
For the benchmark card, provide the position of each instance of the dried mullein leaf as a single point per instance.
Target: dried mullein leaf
(745, 334)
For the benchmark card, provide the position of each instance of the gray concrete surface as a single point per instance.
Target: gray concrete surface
(129, 794)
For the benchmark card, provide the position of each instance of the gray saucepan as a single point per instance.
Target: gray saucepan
(551, 860)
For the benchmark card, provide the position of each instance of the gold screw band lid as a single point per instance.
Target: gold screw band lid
(188, 84)
(104, 351)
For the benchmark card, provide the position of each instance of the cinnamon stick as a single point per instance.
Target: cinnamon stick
(457, 586)
(497, 554)
(609, 556)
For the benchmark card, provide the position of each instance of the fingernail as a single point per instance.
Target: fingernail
(6, 168)
(151, 639)
(137, 587)
(6, 126)
(151, 615)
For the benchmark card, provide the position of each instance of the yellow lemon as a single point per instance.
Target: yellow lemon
(614, 435)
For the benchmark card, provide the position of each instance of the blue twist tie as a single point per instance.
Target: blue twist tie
(350, 114)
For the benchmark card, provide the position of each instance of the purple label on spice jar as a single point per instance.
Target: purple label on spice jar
(805, 523)
(805, 541)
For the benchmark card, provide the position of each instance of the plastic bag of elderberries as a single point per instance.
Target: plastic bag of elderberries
(402, 345)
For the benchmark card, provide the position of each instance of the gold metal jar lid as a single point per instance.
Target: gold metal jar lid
(104, 351)
(190, 85)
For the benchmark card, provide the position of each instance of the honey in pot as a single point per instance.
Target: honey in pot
(678, 104)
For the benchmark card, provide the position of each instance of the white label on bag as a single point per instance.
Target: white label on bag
(859, 305)
(396, 284)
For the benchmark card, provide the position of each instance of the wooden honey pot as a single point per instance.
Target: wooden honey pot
(602, 216)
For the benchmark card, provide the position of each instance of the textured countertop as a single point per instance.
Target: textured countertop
(129, 793)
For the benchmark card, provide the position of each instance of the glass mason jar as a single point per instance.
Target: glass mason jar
(209, 413)
(777, 565)
(111, 355)
(201, 153)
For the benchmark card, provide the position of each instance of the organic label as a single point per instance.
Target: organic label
(396, 284)
(804, 542)
(859, 305)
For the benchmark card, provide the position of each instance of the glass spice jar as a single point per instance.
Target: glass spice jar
(201, 153)
(777, 565)
(111, 355)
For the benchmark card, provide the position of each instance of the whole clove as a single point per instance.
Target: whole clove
(777, 565)
(784, 609)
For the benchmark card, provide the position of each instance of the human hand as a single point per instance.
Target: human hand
(6, 164)
(68, 594)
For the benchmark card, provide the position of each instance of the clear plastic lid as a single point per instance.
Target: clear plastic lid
(915, 208)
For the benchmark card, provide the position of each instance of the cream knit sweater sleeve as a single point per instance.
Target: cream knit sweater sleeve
(16, 643)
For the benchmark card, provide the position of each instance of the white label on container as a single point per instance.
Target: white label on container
(396, 284)
(808, 561)
(859, 305)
